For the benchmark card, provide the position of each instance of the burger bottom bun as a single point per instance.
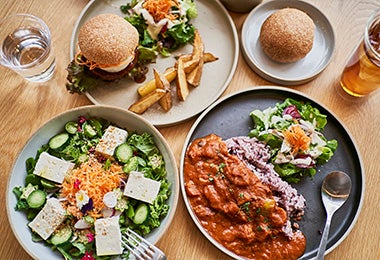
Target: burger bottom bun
(287, 35)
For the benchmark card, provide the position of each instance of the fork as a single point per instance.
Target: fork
(140, 247)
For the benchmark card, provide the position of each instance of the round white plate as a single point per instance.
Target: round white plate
(294, 73)
(117, 116)
(219, 35)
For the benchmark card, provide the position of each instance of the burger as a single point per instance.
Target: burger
(107, 51)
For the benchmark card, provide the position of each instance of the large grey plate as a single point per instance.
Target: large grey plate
(229, 117)
(220, 37)
(295, 73)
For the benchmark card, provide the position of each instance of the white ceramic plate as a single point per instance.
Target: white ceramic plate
(120, 117)
(220, 38)
(294, 73)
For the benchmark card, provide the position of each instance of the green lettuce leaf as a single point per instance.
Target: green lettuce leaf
(78, 81)
(182, 34)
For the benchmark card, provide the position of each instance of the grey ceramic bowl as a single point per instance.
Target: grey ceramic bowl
(240, 6)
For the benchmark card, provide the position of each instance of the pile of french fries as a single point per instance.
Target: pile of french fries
(186, 72)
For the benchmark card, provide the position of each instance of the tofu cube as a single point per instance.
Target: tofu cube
(52, 168)
(141, 188)
(48, 219)
(108, 236)
(111, 138)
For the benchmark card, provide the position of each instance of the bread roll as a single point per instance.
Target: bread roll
(287, 35)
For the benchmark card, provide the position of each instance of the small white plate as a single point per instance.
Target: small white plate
(220, 37)
(294, 73)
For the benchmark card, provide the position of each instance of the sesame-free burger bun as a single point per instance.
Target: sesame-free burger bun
(287, 35)
(108, 39)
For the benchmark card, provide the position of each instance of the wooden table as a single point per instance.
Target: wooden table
(26, 106)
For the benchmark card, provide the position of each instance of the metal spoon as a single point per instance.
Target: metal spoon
(335, 190)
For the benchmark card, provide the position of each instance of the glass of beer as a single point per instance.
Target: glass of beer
(25, 47)
(361, 75)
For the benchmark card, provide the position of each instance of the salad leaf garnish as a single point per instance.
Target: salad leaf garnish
(304, 124)
(78, 80)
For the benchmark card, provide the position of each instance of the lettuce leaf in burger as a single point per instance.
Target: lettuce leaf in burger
(108, 50)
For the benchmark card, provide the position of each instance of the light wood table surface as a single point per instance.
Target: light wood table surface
(24, 107)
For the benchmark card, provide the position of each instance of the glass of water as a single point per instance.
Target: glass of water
(25, 47)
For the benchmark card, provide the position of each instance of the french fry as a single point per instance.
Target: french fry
(187, 71)
(194, 77)
(170, 74)
(162, 83)
(182, 87)
(190, 65)
(198, 47)
(147, 101)
(209, 57)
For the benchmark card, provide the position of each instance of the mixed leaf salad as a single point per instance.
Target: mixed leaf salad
(92, 189)
(163, 25)
(293, 130)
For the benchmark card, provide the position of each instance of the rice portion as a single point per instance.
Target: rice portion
(256, 155)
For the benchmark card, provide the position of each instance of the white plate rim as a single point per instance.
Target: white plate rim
(169, 121)
(266, 73)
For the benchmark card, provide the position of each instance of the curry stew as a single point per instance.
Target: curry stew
(234, 206)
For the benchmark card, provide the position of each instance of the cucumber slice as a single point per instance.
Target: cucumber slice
(71, 127)
(59, 141)
(141, 214)
(89, 130)
(49, 185)
(130, 212)
(131, 165)
(97, 125)
(123, 153)
(62, 236)
(36, 199)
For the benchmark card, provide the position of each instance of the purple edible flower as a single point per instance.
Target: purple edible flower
(293, 111)
(88, 206)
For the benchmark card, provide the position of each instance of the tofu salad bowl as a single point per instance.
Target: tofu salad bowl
(86, 176)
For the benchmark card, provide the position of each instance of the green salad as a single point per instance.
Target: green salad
(293, 130)
(90, 183)
(163, 25)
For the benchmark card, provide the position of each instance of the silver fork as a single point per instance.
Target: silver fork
(140, 247)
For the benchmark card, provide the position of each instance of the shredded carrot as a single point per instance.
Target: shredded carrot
(297, 138)
(90, 64)
(160, 9)
(92, 178)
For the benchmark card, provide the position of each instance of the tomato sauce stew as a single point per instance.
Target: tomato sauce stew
(234, 206)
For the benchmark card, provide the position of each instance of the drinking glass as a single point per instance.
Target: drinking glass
(25, 47)
(361, 76)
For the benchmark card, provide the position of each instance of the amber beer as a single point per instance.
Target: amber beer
(361, 75)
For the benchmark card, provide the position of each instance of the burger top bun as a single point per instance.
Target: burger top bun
(287, 35)
(108, 39)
